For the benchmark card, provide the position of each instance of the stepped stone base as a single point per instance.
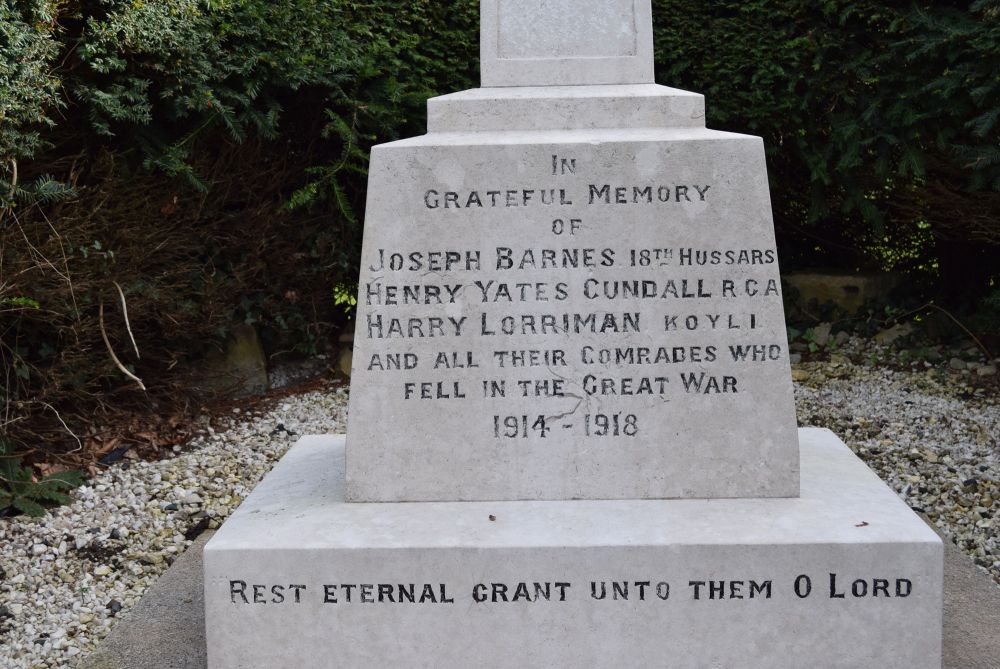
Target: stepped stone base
(844, 576)
(565, 107)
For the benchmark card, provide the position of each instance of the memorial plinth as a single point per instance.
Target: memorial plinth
(843, 576)
(571, 437)
(569, 291)
(613, 331)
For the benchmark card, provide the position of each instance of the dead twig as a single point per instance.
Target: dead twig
(957, 322)
(65, 426)
(13, 177)
(111, 351)
(128, 326)
(929, 305)
(65, 258)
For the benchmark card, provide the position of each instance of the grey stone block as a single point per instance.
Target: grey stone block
(846, 576)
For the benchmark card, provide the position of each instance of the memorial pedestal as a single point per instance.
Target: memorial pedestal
(843, 576)
(571, 437)
(570, 314)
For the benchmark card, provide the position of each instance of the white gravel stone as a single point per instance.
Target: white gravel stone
(929, 433)
(120, 533)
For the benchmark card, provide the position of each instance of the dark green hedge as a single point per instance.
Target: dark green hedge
(880, 120)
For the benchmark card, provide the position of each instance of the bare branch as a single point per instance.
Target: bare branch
(118, 363)
(128, 326)
(66, 427)
(13, 177)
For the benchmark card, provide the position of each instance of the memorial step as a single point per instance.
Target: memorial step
(845, 576)
(565, 108)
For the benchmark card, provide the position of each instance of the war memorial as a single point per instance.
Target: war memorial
(572, 437)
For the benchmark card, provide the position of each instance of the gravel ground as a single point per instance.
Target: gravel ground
(64, 579)
(930, 432)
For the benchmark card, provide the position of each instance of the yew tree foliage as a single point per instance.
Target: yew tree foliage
(155, 76)
(27, 91)
(880, 119)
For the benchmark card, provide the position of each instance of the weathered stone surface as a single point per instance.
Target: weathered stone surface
(570, 314)
(296, 530)
(847, 291)
(821, 334)
(569, 291)
(240, 370)
(971, 613)
(566, 108)
(891, 335)
(345, 361)
(566, 42)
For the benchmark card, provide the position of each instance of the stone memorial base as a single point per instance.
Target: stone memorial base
(844, 576)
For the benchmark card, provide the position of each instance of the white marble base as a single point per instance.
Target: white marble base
(296, 530)
(565, 107)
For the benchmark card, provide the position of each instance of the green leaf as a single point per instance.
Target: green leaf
(20, 302)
